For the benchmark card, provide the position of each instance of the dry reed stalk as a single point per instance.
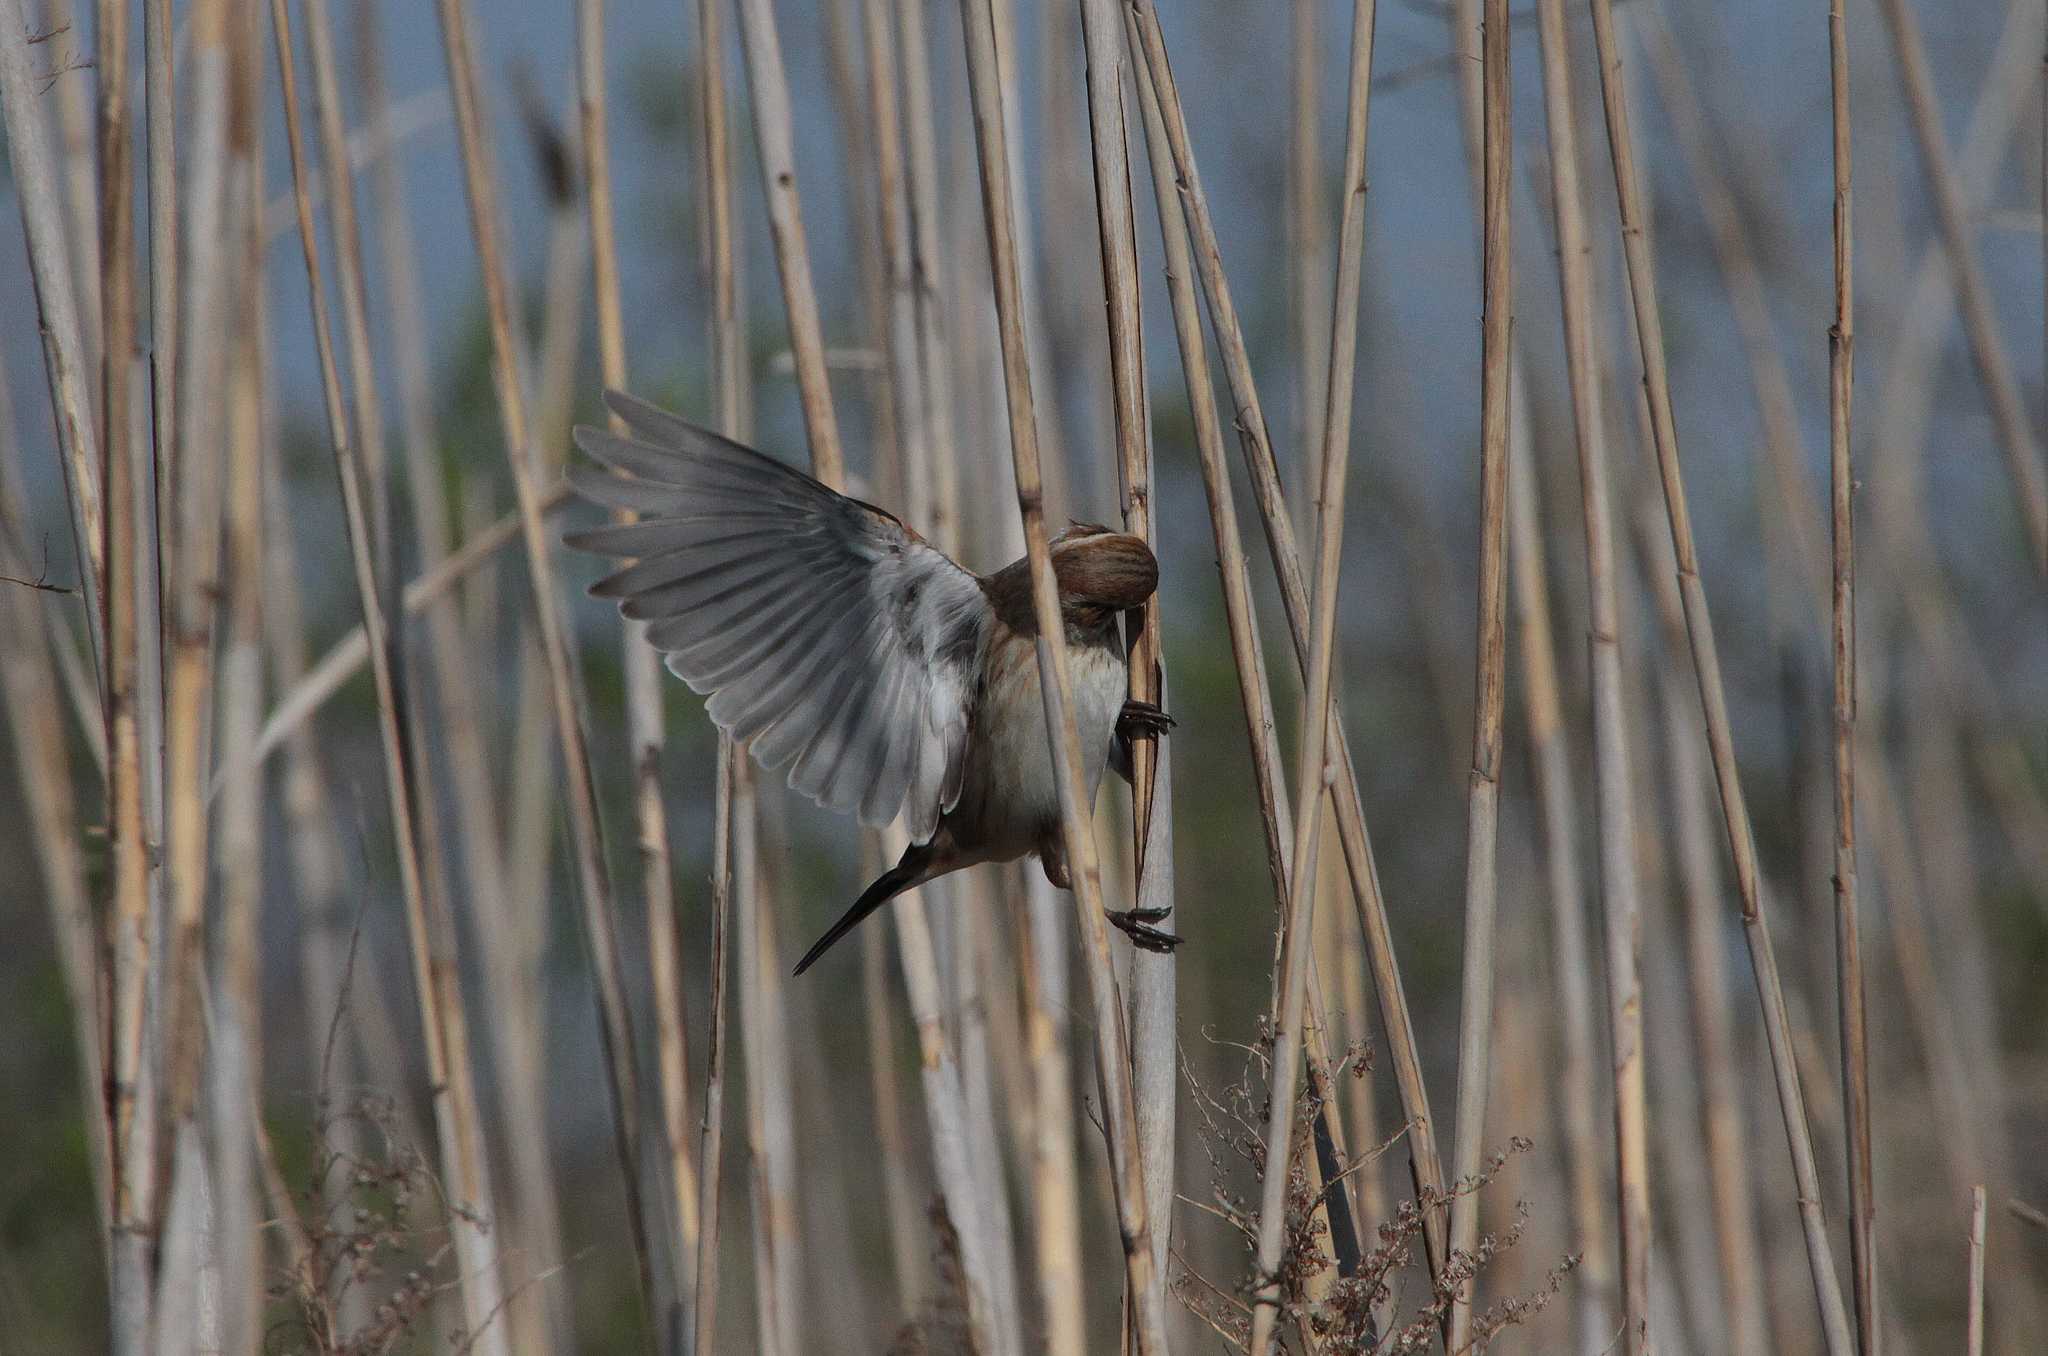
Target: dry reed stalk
(720, 262)
(442, 1017)
(1308, 233)
(80, 166)
(775, 141)
(160, 127)
(711, 1128)
(64, 351)
(1721, 1109)
(116, 244)
(910, 464)
(764, 1040)
(1706, 666)
(1155, 1047)
(1315, 769)
(190, 514)
(907, 1226)
(1614, 801)
(928, 280)
(29, 685)
(1848, 927)
(599, 911)
(1112, 1044)
(236, 1047)
(1427, 1168)
(1980, 317)
(643, 687)
(351, 282)
(1482, 878)
(946, 1112)
(1975, 1336)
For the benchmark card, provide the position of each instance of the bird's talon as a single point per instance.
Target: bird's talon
(1143, 718)
(1137, 925)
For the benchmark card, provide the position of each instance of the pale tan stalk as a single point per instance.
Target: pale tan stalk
(1308, 235)
(593, 876)
(1112, 1045)
(366, 405)
(190, 514)
(643, 685)
(50, 267)
(1155, 1048)
(236, 1051)
(29, 685)
(764, 1040)
(79, 165)
(1315, 769)
(928, 278)
(1848, 928)
(1975, 1343)
(720, 263)
(1613, 796)
(711, 1128)
(775, 141)
(946, 1112)
(1427, 1168)
(1973, 295)
(908, 1229)
(1482, 814)
(161, 127)
(442, 1018)
(1706, 666)
(909, 469)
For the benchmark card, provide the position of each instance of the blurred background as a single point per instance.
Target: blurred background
(1730, 110)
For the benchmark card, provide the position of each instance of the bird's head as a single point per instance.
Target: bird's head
(1101, 570)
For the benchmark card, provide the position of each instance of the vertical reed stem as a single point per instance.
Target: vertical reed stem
(1848, 927)
(1112, 1045)
(1482, 882)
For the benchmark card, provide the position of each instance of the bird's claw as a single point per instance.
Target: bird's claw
(1137, 925)
(1143, 719)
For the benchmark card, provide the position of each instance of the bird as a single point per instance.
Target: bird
(834, 641)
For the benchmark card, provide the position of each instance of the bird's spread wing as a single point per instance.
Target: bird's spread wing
(825, 632)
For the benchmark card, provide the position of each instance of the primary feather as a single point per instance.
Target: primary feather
(835, 639)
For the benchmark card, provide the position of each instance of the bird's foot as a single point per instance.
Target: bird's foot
(1137, 925)
(1142, 719)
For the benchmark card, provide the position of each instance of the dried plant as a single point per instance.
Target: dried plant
(1338, 1319)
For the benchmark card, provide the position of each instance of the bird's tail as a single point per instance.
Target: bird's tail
(909, 870)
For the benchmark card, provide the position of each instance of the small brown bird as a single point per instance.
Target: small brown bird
(837, 642)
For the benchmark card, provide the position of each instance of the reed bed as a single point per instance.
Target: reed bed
(403, 958)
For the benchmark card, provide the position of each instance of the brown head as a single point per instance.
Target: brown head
(1098, 568)
(1099, 572)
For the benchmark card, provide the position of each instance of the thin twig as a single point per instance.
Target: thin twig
(1975, 1344)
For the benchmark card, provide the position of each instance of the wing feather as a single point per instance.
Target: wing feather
(838, 642)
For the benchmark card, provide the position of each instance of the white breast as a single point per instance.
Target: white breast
(1010, 793)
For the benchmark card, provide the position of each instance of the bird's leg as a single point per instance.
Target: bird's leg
(1134, 923)
(1142, 719)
